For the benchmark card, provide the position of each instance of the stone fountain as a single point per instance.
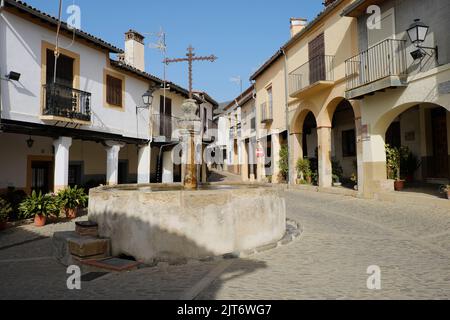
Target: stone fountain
(176, 222)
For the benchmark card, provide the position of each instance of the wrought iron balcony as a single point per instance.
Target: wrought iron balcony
(317, 71)
(266, 112)
(377, 68)
(61, 102)
(165, 128)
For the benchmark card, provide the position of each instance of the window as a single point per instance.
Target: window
(64, 72)
(114, 91)
(270, 101)
(349, 143)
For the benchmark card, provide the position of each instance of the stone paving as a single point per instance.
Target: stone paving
(342, 237)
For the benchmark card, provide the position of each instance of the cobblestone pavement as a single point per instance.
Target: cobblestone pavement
(342, 237)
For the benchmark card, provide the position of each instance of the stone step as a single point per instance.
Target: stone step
(112, 264)
(69, 247)
(86, 228)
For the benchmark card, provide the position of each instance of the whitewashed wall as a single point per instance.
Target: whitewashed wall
(20, 51)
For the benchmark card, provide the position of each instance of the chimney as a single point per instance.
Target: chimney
(297, 25)
(134, 50)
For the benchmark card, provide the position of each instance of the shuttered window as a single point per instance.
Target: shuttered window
(113, 91)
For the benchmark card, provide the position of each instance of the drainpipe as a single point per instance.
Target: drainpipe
(286, 93)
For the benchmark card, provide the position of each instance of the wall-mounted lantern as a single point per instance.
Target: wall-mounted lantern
(417, 33)
(30, 142)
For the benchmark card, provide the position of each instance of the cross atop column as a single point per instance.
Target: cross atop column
(190, 59)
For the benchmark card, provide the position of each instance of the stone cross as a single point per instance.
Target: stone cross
(190, 59)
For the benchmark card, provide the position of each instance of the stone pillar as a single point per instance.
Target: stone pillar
(359, 156)
(374, 166)
(61, 174)
(252, 159)
(276, 147)
(112, 162)
(261, 166)
(144, 159)
(295, 153)
(244, 161)
(167, 167)
(204, 173)
(324, 155)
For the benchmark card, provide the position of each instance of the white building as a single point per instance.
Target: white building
(85, 128)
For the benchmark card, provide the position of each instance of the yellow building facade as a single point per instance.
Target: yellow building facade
(341, 89)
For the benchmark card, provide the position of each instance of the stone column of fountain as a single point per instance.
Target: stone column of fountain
(190, 128)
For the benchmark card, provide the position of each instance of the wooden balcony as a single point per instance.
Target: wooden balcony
(313, 76)
(378, 68)
(165, 128)
(65, 104)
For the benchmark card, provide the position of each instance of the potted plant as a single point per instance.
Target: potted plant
(39, 207)
(409, 164)
(338, 172)
(304, 173)
(283, 164)
(446, 190)
(5, 211)
(393, 161)
(71, 199)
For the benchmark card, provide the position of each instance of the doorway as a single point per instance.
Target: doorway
(440, 143)
(40, 174)
(316, 51)
(165, 112)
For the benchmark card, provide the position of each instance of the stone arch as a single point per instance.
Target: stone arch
(303, 109)
(424, 143)
(326, 117)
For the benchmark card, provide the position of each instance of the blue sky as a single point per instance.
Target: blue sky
(243, 34)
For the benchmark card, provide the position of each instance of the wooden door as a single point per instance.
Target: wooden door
(41, 176)
(165, 111)
(316, 50)
(440, 143)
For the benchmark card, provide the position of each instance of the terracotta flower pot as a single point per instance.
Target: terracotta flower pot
(40, 220)
(71, 213)
(399, 185)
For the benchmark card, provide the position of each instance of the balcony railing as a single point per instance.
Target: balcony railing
(319, 68)
(164, 126)
(66, 102)
(388, 58)
(266, 112)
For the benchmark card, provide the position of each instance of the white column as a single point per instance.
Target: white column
(61, 175)
(112, 161)
(144, 159)
(359, 155)
(295, 153)
(244, 161)
(276, 147)
(324, 154)
(252, 160)
(167, 168)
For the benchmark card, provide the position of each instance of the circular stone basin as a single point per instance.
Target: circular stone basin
(167, 223)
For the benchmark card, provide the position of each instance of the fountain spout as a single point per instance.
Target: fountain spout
(190, 126)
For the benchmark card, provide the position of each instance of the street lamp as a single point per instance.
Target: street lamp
(417, 33)
(147, 99)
